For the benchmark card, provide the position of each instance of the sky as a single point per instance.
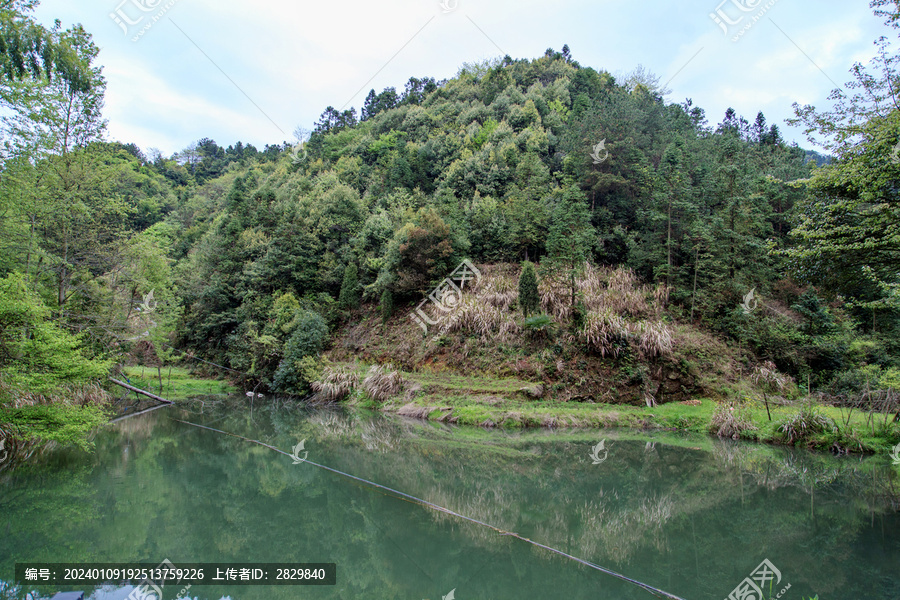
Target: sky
(232, 70)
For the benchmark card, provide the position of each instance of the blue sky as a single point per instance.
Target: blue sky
(254, 71)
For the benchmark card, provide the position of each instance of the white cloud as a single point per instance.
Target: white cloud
(295, 58)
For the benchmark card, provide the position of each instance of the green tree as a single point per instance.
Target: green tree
(571, 237)
(36, 355)
(28, 50)
(848, 228)
(306, 342)
(387, 305)
(351, 291)
(529, 298)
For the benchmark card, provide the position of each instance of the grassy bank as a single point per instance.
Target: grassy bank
(175, 383)
(71, 413)
(515, 403)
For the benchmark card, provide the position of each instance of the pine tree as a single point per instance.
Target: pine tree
(571, 236)
(351, 293)
(529, 300)
(387, 305)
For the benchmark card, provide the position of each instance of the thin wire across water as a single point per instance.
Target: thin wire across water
(655, 591)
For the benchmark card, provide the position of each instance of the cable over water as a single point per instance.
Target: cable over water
(655, 591)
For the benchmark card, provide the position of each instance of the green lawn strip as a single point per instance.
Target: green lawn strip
(501, 402)
(181, 386)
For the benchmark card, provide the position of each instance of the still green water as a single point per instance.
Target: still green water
(689, 514)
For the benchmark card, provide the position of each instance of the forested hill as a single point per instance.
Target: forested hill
(489, 166)
(258, 260)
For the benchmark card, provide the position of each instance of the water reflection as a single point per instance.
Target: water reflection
(691, 515)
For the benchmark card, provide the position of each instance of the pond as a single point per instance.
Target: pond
(691, 515)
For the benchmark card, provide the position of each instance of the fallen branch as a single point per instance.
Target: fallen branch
(140, 391)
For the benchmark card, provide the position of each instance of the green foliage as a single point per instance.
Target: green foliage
(570, 238)
(59, 423)
(501, 163)
(387, 304)
(422, 251)
(36, 355)
(29, 50)
(540, 325)
(306, 342)
(529, 298)
(806, 423)
(486, 130)
(351, 291)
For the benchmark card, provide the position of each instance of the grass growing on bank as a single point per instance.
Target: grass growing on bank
(516, 403)
(65, 414)
(177, 382)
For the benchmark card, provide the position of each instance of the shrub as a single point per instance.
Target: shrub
(529, 299)
(335, 383)
(731, 420)
(307, 340)
(541, 325)
(806, 423)
(382, 382)
(387, 305)
(37, 356)
(605, 332)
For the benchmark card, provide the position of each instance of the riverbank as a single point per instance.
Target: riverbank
(513, 403)
(176, 383)
(68, 416)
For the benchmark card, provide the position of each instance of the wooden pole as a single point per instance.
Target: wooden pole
(140, 391)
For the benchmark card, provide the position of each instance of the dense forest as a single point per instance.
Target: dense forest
(566, 183)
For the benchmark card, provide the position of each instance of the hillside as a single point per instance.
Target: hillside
(673, 258)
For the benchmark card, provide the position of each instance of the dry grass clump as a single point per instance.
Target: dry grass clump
(617, 289)
(555, 298)
(383, 382)
(606, 332)
(609, 298)
(599, 288)
(414, 411)
(335, 383)
(654, 338)
(484, 319)
(731, 419)
(499, 290)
